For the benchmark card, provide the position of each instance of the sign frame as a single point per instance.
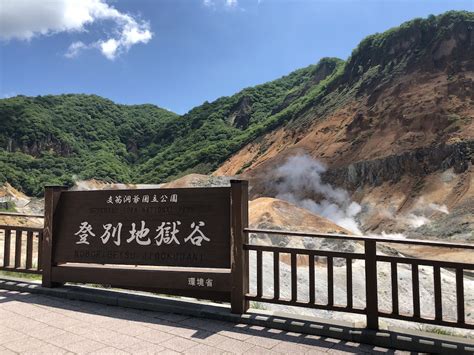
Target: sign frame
(228, 284)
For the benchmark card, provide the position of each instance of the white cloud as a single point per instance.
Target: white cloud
(109, 48)
(75, 48)
(26, 19)
(226, 3)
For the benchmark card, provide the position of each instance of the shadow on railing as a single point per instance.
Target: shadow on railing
(21, 246)
(371, 260)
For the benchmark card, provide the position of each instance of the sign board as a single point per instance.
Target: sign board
(183, 241)
(186, 227)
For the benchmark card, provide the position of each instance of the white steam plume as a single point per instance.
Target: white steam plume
(300, 176)
(421, 213)
(439, 208)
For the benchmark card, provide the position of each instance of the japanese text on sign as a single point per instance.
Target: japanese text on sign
(165, 233)
(200, 282)
(127, 199)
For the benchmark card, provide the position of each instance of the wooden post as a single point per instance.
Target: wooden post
(239, 257)
(371, 297)
(51, 198)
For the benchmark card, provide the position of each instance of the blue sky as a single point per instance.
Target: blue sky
(179, 53)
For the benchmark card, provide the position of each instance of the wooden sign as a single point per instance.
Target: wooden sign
(188, 227)
(185, 241)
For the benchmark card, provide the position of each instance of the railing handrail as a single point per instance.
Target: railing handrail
(16, 214)
(23, 228)
(430, 243)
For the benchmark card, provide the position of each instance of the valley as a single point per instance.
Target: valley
(392, 125)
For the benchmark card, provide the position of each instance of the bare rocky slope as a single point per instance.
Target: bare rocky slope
(395, 128)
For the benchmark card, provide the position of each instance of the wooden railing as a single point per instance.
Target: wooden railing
(22, 253)
(21, 246)
(371, 259)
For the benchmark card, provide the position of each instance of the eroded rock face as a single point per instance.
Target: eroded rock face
(49, 143)
(419, 162)
(241, 113)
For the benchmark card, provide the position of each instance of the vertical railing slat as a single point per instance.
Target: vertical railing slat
(294, 278)
(18, 240)
(312, 296)
(349, 282)
(330, 280)
(460, 295)
(394, 274)
(39, 261)
(416, 290)
(6, 248)
(437, 293)
(29, 250)
(276, 275)
(259, 274)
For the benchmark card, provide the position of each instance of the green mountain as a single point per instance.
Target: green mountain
(57, 139)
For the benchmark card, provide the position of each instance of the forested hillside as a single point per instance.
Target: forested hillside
(57, 139)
